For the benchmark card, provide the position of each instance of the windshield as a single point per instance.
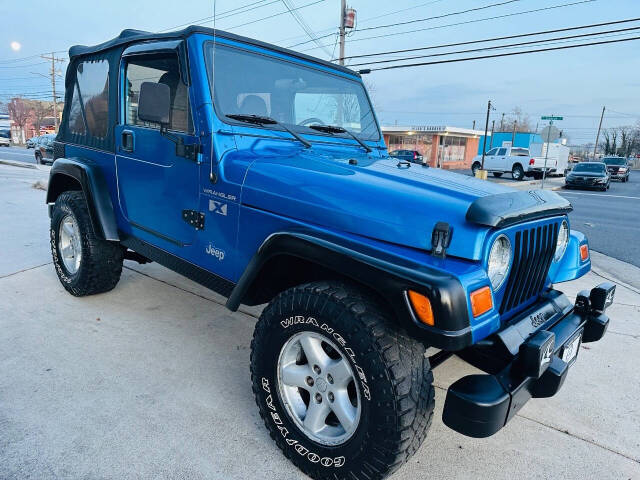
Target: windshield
(614, 161)
(589, 167)
(294, 95)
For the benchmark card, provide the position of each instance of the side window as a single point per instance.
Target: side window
(158, 69)
(502, 151)
(492, 151)
(89, 112)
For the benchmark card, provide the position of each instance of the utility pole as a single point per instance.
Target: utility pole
(493, 128)
(486, 131)
(595, 148)
(513, 135)
(502, 123)
(474, 125)
(343, 14)
(53, 86)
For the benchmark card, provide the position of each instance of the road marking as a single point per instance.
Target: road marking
(599, 195)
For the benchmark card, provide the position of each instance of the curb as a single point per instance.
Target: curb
(602, 264)
(18, 164)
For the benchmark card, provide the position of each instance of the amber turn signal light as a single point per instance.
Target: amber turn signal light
(584, 252)
(481, 301)
(422, 307)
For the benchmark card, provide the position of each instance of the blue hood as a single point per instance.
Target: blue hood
(374, 198)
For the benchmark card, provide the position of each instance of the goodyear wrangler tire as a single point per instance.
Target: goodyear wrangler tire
(343, 391)
(84, 263)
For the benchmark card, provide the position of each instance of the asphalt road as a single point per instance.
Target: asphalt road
(611, 219)
(17, 154)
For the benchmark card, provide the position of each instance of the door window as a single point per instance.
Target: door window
(502, 151)
(158, 69)
(492, 152)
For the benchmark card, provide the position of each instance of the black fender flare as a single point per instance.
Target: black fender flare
(388, 275)
(90, 178)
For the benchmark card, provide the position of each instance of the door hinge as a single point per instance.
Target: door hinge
(193, 218)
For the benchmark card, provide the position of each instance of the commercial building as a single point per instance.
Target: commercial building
(441, 146)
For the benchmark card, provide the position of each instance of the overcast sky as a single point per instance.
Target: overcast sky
(575, 83)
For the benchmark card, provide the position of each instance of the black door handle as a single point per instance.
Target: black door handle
(127, 141)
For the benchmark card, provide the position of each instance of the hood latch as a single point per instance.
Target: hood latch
(440, 239)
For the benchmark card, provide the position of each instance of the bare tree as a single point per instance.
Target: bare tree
(19, 113)
(517, 120)
(41, 110)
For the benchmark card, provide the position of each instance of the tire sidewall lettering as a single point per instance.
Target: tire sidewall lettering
(294, 320)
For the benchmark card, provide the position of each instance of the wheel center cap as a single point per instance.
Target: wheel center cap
(321, 385)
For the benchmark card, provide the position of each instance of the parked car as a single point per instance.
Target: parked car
(589, 175)
(276, 198)
(618, 168)
(5, 138)
(412, 156)
(44, 149)
(31, 142)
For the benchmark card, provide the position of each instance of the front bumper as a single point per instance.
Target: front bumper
(524, 360)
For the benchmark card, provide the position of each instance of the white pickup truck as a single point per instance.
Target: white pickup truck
(521, 162)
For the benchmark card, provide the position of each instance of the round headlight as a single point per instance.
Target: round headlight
(563, 241)
(499, 261)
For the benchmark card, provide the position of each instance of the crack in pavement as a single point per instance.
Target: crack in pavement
(25, 270)
(567, 432)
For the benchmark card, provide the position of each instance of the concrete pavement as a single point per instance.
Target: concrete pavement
(151, 380)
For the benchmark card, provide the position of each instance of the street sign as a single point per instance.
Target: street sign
(549, 117)
(550, 134)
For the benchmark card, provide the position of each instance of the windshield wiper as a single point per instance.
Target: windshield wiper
(335, 129)
(260, 120)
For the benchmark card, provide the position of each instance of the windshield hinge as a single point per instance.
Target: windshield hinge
(441, 239)
(194, 218)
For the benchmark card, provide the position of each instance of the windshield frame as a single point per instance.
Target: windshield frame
(281, 57)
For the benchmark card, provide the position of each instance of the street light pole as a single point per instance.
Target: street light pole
(546, 155)
(486, 130)
(595, 148)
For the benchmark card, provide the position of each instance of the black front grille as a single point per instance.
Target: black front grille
(532, 255)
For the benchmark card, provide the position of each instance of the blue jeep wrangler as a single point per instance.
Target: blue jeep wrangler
(261, 173)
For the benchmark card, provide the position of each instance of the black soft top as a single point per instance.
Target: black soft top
(130, 35)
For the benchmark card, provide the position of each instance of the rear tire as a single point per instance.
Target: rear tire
(85, 264)
(38, 159)
(391, 394)
(517, 173)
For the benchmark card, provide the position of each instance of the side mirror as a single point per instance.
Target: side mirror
(154, 103)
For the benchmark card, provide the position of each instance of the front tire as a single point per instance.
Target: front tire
(308, 340)
(85, 264)
(474, 168)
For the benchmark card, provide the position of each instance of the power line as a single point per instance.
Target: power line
(22, 66)
(298, 18)
(509, 54)
(275, 15)
(13, 60)
(418, 20)
(225, 14)
(495, 39)
(550, 41)
(368, 19)
(467, 22)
